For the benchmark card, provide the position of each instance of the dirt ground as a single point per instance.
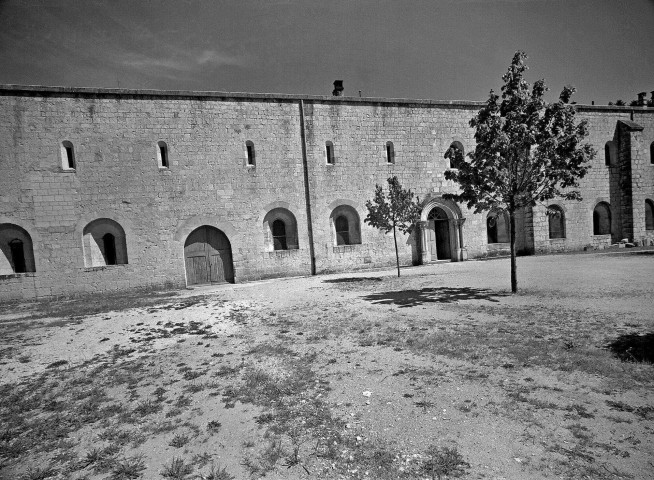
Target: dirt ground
(363, 375)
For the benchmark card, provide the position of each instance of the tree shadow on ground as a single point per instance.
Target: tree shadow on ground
(633, 347)
(353, 280)
(413, 298)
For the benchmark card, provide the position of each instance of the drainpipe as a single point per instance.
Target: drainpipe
(307, 196)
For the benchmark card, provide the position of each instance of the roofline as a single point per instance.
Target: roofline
(29, 90)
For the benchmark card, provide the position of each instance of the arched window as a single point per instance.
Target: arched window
(346, 225)
(279, 235)
(162, 155)
(109, 244)
(455, 154)
(556, 221)
(250, 157)
(342, 230)
(16, 253)
(390, 152)
(649, 215)
(104, 243)
(68, 156)
(329, 153)
(602, 219)
(497, 227)
(280, 230)
(610, 154)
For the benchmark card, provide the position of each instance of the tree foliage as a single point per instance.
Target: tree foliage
(395, 210)
(527, 151)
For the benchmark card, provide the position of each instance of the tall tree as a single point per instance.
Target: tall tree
(527, 151)
(396, 210)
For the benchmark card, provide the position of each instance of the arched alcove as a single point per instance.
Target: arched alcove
(602, 219)
(280, 230)
(345, 225)
(104, 243)
(16, 250)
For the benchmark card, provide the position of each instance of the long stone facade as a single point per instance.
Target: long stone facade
(106, 190)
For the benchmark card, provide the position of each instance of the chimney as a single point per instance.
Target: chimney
(641, 99)
(338, 88)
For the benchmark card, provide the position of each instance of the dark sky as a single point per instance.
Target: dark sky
(437, 49)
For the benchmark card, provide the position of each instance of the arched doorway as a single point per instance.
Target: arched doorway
(441, 231)
(438, 236)
(208, 257)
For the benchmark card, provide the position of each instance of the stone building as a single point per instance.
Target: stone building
(106, 189)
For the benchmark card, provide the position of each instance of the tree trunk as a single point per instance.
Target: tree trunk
(397, 255)
(514, 266)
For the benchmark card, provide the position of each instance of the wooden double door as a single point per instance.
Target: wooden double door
(208, 257)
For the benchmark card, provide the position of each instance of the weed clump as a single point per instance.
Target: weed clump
(177, 469)
(443, 461)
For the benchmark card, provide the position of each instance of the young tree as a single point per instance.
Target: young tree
(395, 211)
(528, 151)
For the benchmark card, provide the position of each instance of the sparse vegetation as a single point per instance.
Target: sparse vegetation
(177, 469)
(435, 355)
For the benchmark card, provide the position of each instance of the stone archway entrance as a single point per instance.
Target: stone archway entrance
(208, 257)
(441, 226)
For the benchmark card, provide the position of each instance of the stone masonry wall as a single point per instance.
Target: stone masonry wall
(642, 175)
(598, 185)
(208, 182)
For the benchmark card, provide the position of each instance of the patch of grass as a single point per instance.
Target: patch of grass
(443, 461)
(40, 473)
(183, 401)
(87, 305)
(147, 407)
(58, 363)
(179, 440)
(213, 427)
(128, 468)
(642, 411)
(177, 469)
(217, 473)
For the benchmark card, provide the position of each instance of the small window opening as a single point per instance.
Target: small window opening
(651, 153)
(109, 243)
(329, 152)
(556, 221)
(649, 215)
(162, 154)
(342, 231)
(607, 155)
(17, 255)
(69, 155)
(279, 235)
(390, 152)
(249, 147)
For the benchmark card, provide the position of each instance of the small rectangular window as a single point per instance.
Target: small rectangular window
(329, 152)
(69, 157)
(249, 147)
(164, 156)
(390, 152)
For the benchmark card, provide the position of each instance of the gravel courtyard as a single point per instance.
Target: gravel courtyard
(437, 374)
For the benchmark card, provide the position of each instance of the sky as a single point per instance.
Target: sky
(422, 49)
